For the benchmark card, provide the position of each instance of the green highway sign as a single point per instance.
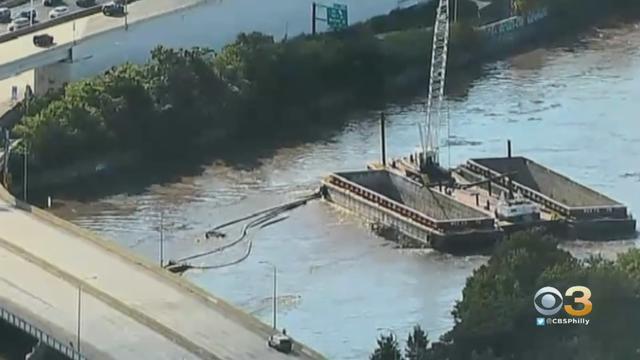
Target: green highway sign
(337, 16)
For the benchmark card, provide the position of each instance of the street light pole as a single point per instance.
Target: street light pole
(31, 14)
(126, 14)
(79, 312)
(275, 276)
(24, 176)
(161, 238)
(79, 309)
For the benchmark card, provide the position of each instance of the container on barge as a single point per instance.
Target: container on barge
(588, 214)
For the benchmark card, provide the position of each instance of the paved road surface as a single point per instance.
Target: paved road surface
(42, 265)
(66, 33)
(42, 11)
(52, 303)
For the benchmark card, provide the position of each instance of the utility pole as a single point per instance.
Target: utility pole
(79, 316)
(161, 238)
(275, 297)
(126, 14)
(313, 18)
(31, 19)
(24, 176)
(5, 165)
(80, 306)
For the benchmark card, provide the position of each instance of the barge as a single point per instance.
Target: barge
(587, 214)
(476, 204)
(429, 217)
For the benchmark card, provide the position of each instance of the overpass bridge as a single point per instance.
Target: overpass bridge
(107, 303)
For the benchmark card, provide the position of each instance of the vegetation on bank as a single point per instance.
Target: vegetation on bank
(194, 99)
(496, 319)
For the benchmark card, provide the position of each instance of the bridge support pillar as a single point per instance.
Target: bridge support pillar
(51, 77)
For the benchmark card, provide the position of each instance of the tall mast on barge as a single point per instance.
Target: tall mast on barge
(436, 115)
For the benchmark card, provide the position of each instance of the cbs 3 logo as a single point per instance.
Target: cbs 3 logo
(548, 301)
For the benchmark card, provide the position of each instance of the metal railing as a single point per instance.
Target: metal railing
(43, 337)
(615, 211)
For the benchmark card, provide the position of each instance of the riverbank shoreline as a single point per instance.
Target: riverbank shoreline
(408, 83)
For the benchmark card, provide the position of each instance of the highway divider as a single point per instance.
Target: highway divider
(53, 22)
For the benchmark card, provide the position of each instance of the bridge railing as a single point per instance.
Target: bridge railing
(45, 338)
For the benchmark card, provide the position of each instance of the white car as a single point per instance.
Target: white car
(58, 11)
(19, 23)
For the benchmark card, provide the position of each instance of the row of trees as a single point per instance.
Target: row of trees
(495, 320)
(186, 99)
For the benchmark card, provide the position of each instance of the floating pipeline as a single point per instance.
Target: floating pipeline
(261, 219)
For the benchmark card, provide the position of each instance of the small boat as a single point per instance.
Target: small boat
(517, 209)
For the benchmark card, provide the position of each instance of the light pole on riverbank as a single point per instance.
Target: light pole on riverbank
(275, 274)
(161, 238)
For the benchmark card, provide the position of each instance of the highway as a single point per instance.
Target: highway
(42, 11)
(134, 309)
(14, 54)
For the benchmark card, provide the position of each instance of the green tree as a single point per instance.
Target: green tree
(417, 344)
(388, 349)
(495, 318)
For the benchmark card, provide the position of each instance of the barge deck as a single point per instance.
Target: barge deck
(589, 215)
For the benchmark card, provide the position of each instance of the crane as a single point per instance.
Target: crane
(436, 116)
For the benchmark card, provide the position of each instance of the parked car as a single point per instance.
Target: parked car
(50, 2)
(18, 23)
(5, 15)
(43, 40)
(280, 342)
(58, 11)
(113, 9)
(86, 3)
(28, 14)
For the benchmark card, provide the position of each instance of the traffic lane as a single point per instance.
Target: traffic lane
(51, 304)
(42, 12)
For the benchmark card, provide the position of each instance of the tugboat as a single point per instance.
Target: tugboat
(517, 209)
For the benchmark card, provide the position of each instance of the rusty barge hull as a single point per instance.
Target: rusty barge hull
(588, 214)
(424, 215)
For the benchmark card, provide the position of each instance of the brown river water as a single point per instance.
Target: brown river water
(573, 107)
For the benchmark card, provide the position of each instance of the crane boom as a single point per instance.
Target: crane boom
(435, 114)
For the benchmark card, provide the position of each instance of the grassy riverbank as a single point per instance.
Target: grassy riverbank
(194, 101)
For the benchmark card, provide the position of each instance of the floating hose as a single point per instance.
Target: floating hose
(262, 219)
